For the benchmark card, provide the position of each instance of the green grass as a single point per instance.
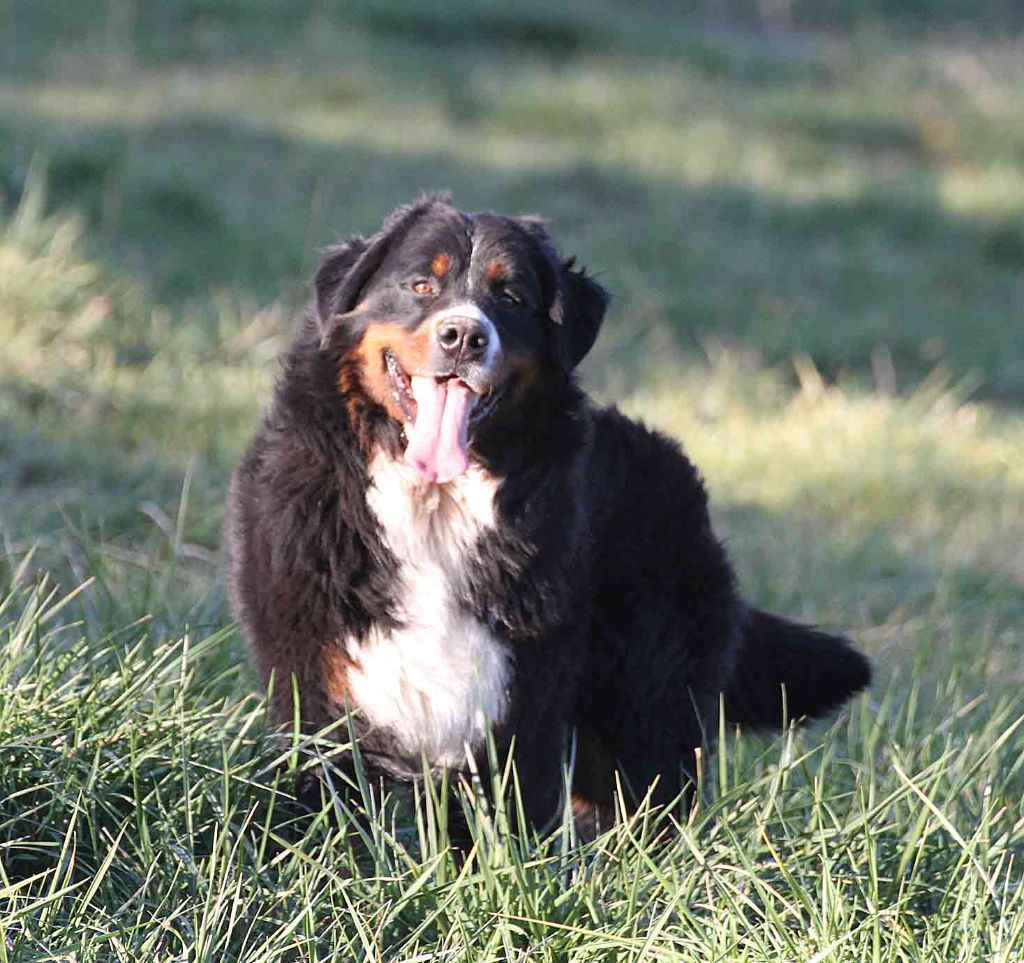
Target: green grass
(812, 217)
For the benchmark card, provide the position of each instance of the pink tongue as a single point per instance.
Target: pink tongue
(437, 438)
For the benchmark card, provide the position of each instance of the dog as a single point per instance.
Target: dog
(436, 531)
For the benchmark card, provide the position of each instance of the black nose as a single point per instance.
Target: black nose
(464, 338)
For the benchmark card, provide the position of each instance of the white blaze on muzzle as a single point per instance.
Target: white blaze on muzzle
(467, 309)
(438, 445)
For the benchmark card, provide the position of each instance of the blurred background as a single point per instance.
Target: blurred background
(810, 212)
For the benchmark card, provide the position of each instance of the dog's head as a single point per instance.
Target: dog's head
(449, 317)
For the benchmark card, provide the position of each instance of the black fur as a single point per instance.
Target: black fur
(603, 576)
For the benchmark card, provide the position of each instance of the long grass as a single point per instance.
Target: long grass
(142, 817)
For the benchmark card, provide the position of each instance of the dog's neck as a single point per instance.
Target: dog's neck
(420, 520)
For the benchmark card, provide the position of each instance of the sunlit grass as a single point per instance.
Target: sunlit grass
(142, 814)
(656, 119)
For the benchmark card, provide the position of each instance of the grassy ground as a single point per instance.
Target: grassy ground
(812, 216)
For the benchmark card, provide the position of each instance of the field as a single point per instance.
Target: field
(812, 219)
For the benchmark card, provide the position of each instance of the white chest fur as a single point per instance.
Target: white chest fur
(440, 679)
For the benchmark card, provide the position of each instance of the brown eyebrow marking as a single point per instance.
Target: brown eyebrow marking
(497, 270)
(440, 265)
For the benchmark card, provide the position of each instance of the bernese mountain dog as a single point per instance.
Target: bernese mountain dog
(437, 532)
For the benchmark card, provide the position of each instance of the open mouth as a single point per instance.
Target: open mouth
(401, 387)
(438, 412)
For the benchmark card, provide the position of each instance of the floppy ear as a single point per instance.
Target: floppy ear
(578, 310)
(579, 302)
(334, 268)
(347, 268)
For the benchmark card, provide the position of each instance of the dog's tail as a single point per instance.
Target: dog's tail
(786, 671)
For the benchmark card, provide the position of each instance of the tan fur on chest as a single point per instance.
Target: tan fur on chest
(441, 678)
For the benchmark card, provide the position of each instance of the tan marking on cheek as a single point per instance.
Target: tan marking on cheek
(413, 351)
(496, 270)
(440, 265)
(363, 377)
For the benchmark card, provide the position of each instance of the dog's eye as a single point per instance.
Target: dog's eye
(422, 286)
(509, 299)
